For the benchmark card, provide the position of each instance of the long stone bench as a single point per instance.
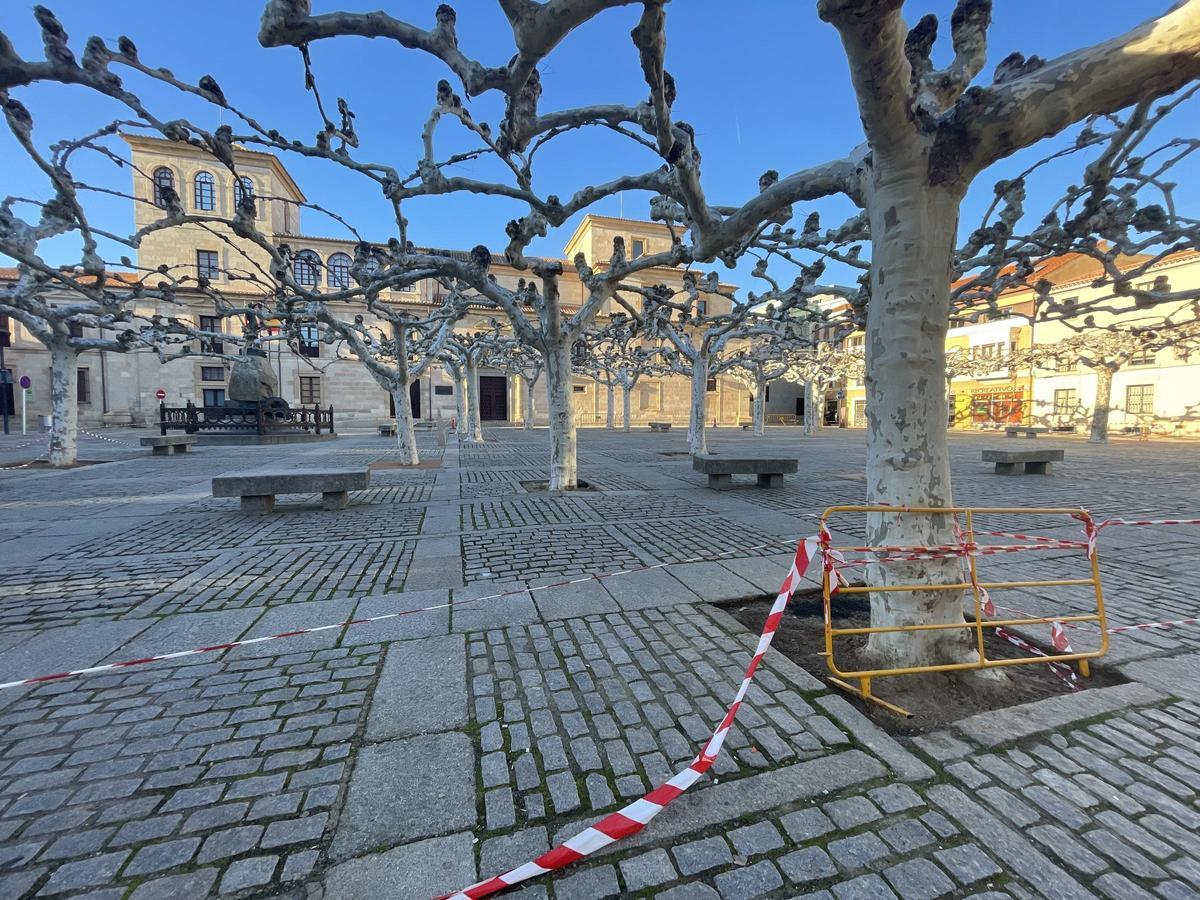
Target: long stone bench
(387, 429)
(721, 469)
(659, 426)
(1030, 432)
(166, 445)
(258, 489)
(1022, 462)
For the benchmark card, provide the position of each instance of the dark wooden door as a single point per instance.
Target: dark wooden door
(414, 397)
(493, 398)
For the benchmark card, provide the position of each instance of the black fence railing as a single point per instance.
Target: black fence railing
(193, 419)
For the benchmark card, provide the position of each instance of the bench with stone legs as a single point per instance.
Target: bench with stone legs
(721, 469)
(387, 429)
(659, 426)
(167, 444)
(258, 489)
(1029, 432)
(1022, 462)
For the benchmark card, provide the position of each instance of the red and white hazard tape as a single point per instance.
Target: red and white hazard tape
(1065, 672)
(228, 645)
(634, 817)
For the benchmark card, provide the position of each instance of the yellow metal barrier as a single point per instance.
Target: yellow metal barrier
(978, 625)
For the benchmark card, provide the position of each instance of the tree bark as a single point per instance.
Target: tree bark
(527, 417)
(609, 414)
(64, 428)
(760, 405)
(474, 426)
(406, 434)
(810, 412)
(563, 476)
(625, 405)
(1099, 430)
(460, 404)
(913, 226)
(696, 436)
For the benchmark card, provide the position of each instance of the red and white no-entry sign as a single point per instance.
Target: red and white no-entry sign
(160, 394)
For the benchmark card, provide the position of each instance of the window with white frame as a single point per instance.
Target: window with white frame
(1066, 401)
(204, 191)
(208, 264)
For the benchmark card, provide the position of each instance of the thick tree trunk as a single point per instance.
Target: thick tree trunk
(460, 404)
(1104, 380)
(760, 405)
(625, 404)
(696, 437)
(474, 426)
(527, 409)
(610, 412)
(562, 419)
(913, 229)
(64, 428)
(810, 408)
(406, 434)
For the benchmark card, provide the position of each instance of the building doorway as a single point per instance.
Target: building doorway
(800, 407)
(493, 398)
(831, 412)
(414, 400)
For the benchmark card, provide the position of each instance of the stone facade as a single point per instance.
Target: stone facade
(121, 388)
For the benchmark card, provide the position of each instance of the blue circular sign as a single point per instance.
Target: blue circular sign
(25, 382)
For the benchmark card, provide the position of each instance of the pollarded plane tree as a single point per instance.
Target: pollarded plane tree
(700, 341)
(463, 354)
(817, 369)
(515, 358)
(765, 360)
(536, 313)
(93, 304)
(397, 348)
(615, 357)
(928, 133)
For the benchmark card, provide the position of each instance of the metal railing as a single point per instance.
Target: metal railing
(193, 419)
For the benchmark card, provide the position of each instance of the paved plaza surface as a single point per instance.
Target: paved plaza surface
(415, 755)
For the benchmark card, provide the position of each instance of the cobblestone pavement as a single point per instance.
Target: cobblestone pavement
(415, 755)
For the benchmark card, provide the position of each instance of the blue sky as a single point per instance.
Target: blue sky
(765, 85)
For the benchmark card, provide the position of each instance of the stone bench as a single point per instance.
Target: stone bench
(387, 429)
(1013, 431)
(258, 489)
(721, 469)
(746, 424)
(659, 426)
(1022, 462)
(166, 445)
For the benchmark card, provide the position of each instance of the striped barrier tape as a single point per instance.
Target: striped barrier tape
(637, 815)
(228, 645)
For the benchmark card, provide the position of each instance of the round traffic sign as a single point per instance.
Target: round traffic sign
(26, 382)
(160, 394)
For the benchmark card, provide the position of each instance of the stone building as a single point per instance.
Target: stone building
(117, 388)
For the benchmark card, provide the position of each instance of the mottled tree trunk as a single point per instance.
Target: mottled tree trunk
(406, 434)
(625, 405)
(460, 404)
(562, 419)
(696, 436)
(474, 426)
(527, 410)
(811, 422)
(610, 412)
(64, 428)
(913, 228)
(1104, 380)
(760, 404)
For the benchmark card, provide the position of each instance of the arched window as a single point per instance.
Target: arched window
(205, 191)
(305, 268)
(164, 181)
(243, 187)
(338, 270)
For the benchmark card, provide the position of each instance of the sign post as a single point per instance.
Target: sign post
(26, 384)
